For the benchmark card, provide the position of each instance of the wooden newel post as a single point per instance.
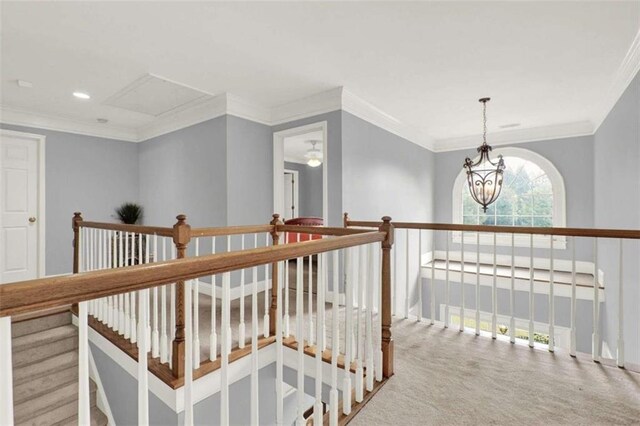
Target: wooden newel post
(181, 238)
(387, 339)
(75, 224)
(345, 220)
(275, 237)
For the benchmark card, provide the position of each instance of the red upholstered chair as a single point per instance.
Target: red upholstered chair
(292, 237)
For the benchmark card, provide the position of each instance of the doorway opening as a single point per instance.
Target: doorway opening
(300, 174)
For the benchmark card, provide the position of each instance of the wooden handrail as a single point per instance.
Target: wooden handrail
(319, 230)
(138, 229)
(569, 232)
(230, 230)
(27, 296)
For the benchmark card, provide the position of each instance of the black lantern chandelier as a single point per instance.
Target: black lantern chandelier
(484, 176)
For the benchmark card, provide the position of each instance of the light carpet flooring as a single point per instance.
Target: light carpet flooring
(443, 377)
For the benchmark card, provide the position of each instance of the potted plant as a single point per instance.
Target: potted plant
(130, 214)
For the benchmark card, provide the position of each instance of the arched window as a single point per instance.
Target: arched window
(532, 195)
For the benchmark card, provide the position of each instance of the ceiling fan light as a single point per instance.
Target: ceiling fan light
(313, 162)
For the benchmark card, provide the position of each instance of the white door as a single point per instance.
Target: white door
(19, 227)
(289, 207)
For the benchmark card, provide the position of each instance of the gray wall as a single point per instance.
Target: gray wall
(309, 189)
(249, 172)
(617, 205)
(333, 162)
(185, 172)
(384, 174)
(82, 173)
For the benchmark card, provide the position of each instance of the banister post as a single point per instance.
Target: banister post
(387, 339)
(345, 220)
(75, 224)
(181, 238)
(275, 237)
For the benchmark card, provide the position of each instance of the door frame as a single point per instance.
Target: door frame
(278, 164)
(40, 139)
(296, 189)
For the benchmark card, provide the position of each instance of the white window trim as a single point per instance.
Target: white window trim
(520, 240)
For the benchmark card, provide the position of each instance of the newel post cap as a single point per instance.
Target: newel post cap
(388, 228)
(345, 220)
(275, 222)
(77, 217)
(181, 230)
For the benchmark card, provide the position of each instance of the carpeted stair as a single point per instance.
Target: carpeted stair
(45, 373)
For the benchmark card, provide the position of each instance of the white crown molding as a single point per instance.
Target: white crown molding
(368, 112)
(167, 123)
(243, 108)
(511, 137)
(625, 74)
(19, 117)
(320, 103)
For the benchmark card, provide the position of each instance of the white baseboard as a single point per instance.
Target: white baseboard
(101, 398)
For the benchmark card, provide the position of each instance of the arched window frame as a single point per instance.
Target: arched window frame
(520, 240)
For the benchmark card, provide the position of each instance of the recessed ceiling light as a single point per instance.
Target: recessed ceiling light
(25, 84)
(510, 125)
(81, 95)
(102, 120)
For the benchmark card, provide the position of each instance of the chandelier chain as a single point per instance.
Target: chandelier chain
(484, 122)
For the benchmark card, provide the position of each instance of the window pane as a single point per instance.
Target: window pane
(526, 194)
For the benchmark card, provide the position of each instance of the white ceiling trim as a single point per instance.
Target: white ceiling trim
(320, 103)
(18, 117)
(627, 71)
(367, 112)
(511, 137)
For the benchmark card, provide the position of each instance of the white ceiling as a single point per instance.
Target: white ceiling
(424, 64)
(296, 147)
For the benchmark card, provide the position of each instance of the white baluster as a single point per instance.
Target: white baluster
(362, 282)
(531, 293)
(92, 257)
(279, 354)
(432, 288)
(310, 302)
(377, 285)
(172, 309)
(300, 339)
(196, 313)
(124, 306)
(318, 407)
(620, 351)
(241, 326)
(462, 304)
(155, 334)
(335, 343)
(447, 288)
(369, 320)
(188, 356)
(512, 292)
(6, 366)
(552, 338)
(572, 347)
(213, 336)
(407, 289)
(477, 283)
(143, 350)
(420, 313)
(265, 321)
(148, 303)
(348, 333)
(164, 341)
(325, 277)
(394, 283)
(84, 402)
(255, 394)
(494, 292)
(287, 282)
(596, 305)
(224, 353)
